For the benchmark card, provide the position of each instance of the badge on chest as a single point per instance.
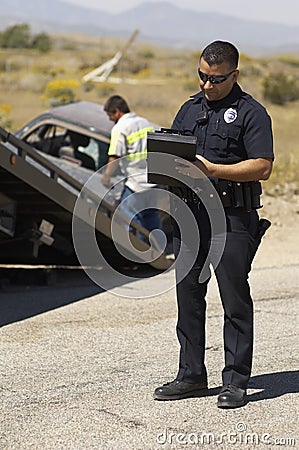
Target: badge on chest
(230, 115)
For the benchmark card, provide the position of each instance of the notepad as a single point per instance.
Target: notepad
(163, 147)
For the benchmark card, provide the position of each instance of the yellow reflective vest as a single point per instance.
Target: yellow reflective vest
(129, 142)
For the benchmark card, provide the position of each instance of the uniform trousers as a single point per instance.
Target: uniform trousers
(232, 278)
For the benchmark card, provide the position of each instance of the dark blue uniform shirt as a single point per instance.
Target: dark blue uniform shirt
(236, 128)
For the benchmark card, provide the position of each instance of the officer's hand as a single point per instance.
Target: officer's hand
(205, 166)
(189, 169)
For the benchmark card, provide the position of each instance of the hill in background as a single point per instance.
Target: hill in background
(160, 23)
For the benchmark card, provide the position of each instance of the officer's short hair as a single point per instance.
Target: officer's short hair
(219, 52)
(116, 102)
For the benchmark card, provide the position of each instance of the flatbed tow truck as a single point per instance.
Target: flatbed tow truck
(37, 201)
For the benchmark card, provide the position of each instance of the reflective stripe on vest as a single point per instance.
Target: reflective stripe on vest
(137, 156)
(138, 135)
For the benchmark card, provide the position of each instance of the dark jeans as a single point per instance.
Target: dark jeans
(133, 208)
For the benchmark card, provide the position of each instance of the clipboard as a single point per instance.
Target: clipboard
(163, 147)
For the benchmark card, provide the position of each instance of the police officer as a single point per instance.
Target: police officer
(235, 150)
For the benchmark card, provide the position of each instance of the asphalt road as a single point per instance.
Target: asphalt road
(78, 367)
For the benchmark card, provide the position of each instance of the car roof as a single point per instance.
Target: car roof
(83, 114)
(87, 115)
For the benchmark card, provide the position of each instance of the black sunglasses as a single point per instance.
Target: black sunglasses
(213, 79)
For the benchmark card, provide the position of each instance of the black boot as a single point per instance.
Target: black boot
(231, 397)
(177, 389)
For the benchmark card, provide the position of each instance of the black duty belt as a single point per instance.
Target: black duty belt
(245, 195)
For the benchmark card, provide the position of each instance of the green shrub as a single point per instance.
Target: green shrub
(19, 36)
(291, 61)
(105, 88)
(16, 36)
(146, 53)
(41, 42)
(280, 88)
(88, 86)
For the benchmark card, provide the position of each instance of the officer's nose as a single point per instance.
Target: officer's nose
(208, 84)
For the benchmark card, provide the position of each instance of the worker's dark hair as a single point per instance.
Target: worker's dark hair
(219, 52)
(116, 102)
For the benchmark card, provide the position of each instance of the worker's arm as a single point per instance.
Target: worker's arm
(110, 170)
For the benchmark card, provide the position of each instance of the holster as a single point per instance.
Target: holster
(263, 226)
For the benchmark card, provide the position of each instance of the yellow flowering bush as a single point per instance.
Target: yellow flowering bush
(60, 92)
(5, 118)
(143, 73)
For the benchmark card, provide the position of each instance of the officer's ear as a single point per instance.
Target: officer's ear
(235, 75)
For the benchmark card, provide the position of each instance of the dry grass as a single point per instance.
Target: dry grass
(170, 77)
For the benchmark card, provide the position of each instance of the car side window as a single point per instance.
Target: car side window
(91, 150)
(98, 150)
(36, 137)
(47, 138)
(60, 142)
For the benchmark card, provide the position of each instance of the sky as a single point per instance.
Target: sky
(279, 11)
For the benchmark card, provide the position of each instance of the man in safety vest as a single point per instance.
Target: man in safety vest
(128, 152)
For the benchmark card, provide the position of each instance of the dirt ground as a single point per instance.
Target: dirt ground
(280, 245)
